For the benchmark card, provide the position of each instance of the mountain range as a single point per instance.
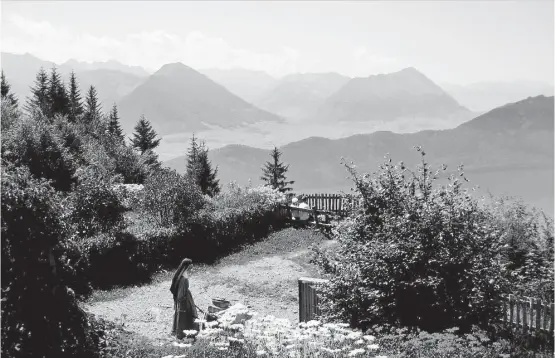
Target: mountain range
(298, 96)
(484, 96)
(112, 79)
(177, 98)
(500, 146)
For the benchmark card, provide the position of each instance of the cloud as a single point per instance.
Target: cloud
(150, 49)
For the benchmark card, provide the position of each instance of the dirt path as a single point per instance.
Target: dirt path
(267, 282)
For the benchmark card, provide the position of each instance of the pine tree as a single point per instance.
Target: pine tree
(39, 94)
(57, 95)
(201, 169)
(5, 91)
(114, 127)
(92, 111)
(274, 173)
(144, 137)
(192, 158)
(75, 102)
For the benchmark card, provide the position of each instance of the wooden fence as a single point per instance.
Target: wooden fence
(308, 298)
(531, 315)
(332, 203)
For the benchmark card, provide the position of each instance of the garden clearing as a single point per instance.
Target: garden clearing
(263, 276)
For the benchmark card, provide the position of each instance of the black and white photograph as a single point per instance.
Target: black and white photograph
(277, 179)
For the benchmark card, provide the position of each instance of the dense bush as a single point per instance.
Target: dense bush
(527, 237)
(96, 208)
(38, 146)
(169, 198)
(40, 316)
(415, 256)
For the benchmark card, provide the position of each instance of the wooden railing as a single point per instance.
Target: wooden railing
(530, 315)
(332, 203)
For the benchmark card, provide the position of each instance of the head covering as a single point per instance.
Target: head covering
(295, 200)
(182, 267)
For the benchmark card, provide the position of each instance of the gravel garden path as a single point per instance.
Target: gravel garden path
(263, 276)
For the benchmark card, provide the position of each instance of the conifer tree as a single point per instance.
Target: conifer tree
(75, 101)
(92, 111)
(5, 91)
(199, 168)
(38, 101)
(114, 127)
(274, 173)
(144, 137)
(192, 158)
(57, 95)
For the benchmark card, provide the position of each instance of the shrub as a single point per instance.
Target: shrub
(261, 198)
(415, 256)
(96, 208)
(40, 316)
(38, 146)
(527, 236)
(169, 198)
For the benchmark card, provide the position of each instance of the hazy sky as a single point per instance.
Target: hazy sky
(450, 41)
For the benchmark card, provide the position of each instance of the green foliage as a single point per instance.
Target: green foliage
(92, 111)
(58, 100)
(114, 127)
(40, 316)
(170, 198)
(144, 137)
(75, 103)
(274, 173)
(38, 102)
(96, 208)
(415, 256)
(5, 93)
(199, 168)
(527, 236)
(40, 147)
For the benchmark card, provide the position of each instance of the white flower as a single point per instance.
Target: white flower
(260, 352)
(356, 352)
(369, 338)
(373, 347)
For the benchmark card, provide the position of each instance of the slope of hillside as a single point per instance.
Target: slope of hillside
(297, 96)
(485, 96)
(177, 98)
(112, 65)
(385, 97)
(21, 70)
(496, 147)
(247, 84)
(112, 79)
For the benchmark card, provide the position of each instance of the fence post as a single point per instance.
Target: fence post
(538, 305)
(552, 319)
(308, 298)
(511, 309)
(517, 304)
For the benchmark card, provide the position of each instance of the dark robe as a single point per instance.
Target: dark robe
(185, 309)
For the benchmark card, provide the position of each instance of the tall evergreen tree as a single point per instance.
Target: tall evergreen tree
(144, 137)
(199, 168)
(38, 101)
(274, 173)
(57, 95)
(75, 101)
(5, 91)
(114, 126)
(192, 158)
(92, 111)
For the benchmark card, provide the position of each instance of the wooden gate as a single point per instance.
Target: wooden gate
(308, 298)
